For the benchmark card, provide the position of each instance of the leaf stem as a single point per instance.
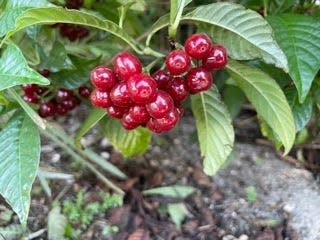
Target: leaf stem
(265, 8)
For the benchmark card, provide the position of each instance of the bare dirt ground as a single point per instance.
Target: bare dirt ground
(256, 196)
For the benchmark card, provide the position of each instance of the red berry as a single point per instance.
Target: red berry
(44, 72)
(29, 89)
(178, 89)
(198, 45)
(63, 94)
(116, 112)
(178, 62)
(120, 95)
(128, 123)
(142, 88)
(47, 109)
(198, 79)
(103, 78)
(139, 114)
(126, 64)
(217, 58)
(70, 103)
(152, 126)
(61, 109)
(162, 105)
(41, 90)
(162, 78)
(168, 122)
(74, 4)
(84, 91)
(30, 98)
(100, 99)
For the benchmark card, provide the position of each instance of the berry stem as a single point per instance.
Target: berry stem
(148, 68)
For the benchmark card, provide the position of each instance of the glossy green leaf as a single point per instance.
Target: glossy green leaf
(302, 112)
(57, 60)
(178, 213)
(268, 99)
(14, 69)
(128, 143)
(92, 119)
(13, 9)
(20, 155)
(244, 33)
(175, 191)
(233, 97)
(215, 131)
(74, 78)
(283, 5)
(299, 37)
(176, 9)
(53, 15)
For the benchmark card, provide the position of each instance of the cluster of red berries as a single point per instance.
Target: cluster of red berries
(71, 31)
(53, 103)
(155, 101)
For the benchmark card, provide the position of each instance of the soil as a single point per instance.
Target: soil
(282, 204)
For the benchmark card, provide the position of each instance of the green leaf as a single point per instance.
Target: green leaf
(302, 112)
(244, 33)
(299, 37)
(178, 213)
(13, 231)
(13, 9)
(233, 97)
(268, 99)
(215, 131)
(57, 223)
(20, 155)
(176, 9)
(53, 15)
(14, 69)
(57, 60)
(93, 118)
(74, 78)
(175, 191)
(137, 5)
(128, 143)
(283, 5)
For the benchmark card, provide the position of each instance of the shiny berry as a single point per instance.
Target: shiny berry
(41, 90)
(217, 58)
(128, 123)
(47, 109)
(70, 103)
(178, 89)
(126, 64)
(161, 106)
(29, 89)
(178, 62)
(61, 109)
(63, 94)
(120, 95)
(198, 79)
(103, 78)
(44, 72)
(100, 99)
(30, 98)
(116, 112)
(139, 114)
(198, 46)
(84, 91)
(168, 122)
(162, 78)
(152, 126)
(142, 88)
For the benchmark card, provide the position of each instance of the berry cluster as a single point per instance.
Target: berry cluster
(71, 31)
(53, 103)
(155, 101)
